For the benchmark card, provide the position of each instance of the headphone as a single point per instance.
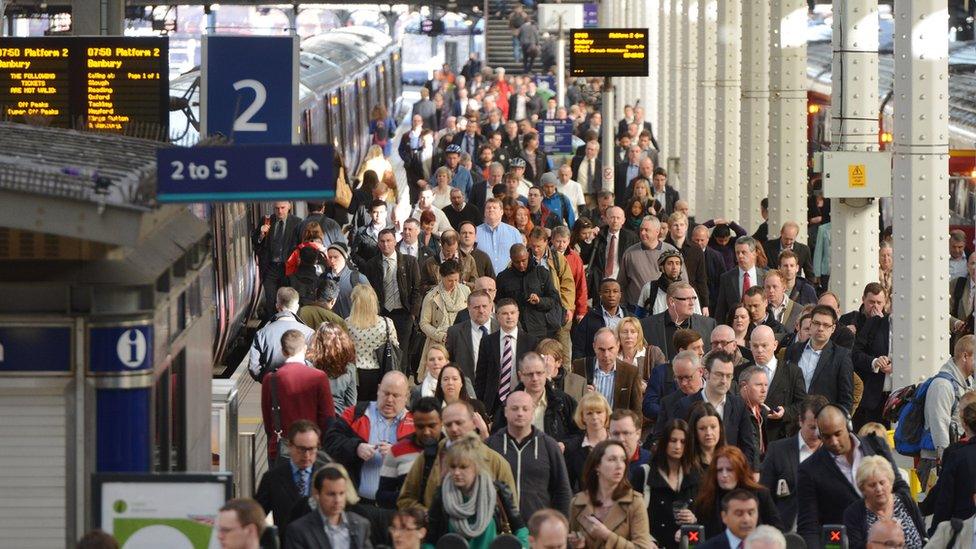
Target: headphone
(843, 411)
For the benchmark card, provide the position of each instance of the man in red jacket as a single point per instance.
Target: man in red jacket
(294, 391)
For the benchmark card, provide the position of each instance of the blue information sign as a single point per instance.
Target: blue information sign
(249, 88)
(120, 348)
(35, 349)
(245, 173)
(556, 136)
(590, 20)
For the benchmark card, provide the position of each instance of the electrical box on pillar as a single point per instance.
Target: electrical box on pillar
(855, 174)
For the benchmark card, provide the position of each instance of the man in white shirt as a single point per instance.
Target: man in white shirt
(957, 254)
(570, 188)
(409, 245)
(464, 339)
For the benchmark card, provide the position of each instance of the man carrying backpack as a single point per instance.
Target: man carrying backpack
(941, 401)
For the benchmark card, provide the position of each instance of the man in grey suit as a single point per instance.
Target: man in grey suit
(345, 529)
(787, 241)
(734, 283)
(659, 329)
(464, 338)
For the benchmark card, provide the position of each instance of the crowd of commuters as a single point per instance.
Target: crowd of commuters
(499, 343)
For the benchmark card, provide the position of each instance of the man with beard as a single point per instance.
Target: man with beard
(654, 296)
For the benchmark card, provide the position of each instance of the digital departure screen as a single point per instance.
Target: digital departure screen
(608, 52)
(101, 83)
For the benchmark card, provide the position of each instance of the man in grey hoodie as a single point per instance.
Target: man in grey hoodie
(536, 460)
(265, 354)
(941, 401)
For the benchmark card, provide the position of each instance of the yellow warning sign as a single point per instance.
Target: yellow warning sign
(856, 176)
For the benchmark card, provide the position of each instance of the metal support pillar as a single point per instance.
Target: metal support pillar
(649, 85)
(211, 15)
(705, 109)
(689, 92)
(920, 315)
(674, 86)
(609, 125)
(560, 64)
(754, 171)
(788, 116)
(663, 93)
(292, 20)
(97, 17)
(728, 107)
(854, 127)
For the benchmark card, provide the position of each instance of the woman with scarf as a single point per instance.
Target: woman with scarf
(441, 305)
(469, 503)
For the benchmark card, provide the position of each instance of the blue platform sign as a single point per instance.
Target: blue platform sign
(590, 18)
(249, 88)
(120, 349)
(556, 136)
(245, 173)
(35, 349)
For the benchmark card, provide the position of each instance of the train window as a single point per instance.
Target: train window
(169, 405)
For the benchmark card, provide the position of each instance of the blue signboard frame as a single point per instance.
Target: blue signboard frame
(556, 136)
(35, 349)
(120, 349)
(245, 173)
(249, 88)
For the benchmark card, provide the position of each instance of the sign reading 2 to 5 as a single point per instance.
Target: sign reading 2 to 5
(249, 88)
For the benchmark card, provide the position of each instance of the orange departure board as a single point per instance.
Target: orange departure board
(608, 52)
(101, 83)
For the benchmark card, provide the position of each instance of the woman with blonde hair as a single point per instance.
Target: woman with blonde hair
(369, 331)
(332, 351)
(374, 161)
(441, 306)
(592, 416)
(875, 478)
(635, 350)
(563, 378)
(442, 187)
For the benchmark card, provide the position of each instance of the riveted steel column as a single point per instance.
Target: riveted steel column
(788, 115)
(689, 93)
(608, 110)
(674, 83)
(728, 107)
(649, 86)
(854, 127)
(705, 106)
(920, 316)
(663, 93)
(754, 171)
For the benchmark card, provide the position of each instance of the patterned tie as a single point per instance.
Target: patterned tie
(301, 484)
(505, 378)
(389, 285)
(746, 283)
(611, 257)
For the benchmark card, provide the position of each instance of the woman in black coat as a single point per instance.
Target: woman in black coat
(729, 470)
(592, 416)
(671, 484)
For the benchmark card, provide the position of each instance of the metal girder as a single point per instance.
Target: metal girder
(674, 84)
(689, 95)
(705, 108)
(754, 170)
(728, 107)
(649, 85)
(663, 91)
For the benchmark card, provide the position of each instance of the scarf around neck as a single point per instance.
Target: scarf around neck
(470, 517)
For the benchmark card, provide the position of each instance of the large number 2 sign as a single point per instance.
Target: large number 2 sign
(242, 123)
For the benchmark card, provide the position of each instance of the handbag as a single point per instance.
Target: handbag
(343, 190)
(388, 354)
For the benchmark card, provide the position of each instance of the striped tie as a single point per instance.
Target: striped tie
(505, 378)
(389, 286)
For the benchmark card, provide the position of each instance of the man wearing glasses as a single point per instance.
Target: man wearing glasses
(659, 329)
(827, 368)
(290, 481)
(723, 339)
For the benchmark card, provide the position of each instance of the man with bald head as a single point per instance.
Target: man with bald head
(886, 533)
(787, 241)
(827, 485)
(613, 240)
(722, 339)
(530, 285)
(535, 457)
(423, 481)
(615, 379)
(786, 388)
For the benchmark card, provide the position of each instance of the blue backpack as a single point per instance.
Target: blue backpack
(911, 434)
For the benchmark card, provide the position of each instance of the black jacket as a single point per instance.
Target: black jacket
(534, 171)
(660, 505)
(519, 285)
(626, 239)
(654, 332)
(363, 248)
(802, 251)
(728, 291)
(408, 281)
(712, 519)
(780, 466)
(278, 494)
(308, 532)
(488, 369)
(738, 427)
(870, 342)
(669, 405)
(584, 331)
(558, 419)
(786, 389)
(597, 172)
(856, 514)
(437, 526)
(262, 247)
(954, 491)
(824, 492)
(834, 375)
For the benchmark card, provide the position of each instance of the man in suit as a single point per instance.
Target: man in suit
(666, 195)
(607, 312)
(843, 335)
(470, 140)
(625, 172)
(642, 125)
(787, 241)
(430, 274)
(687, 370)
(780, 307)
(496, 375)
(588, 171)
(464, 339)
(396, 279)
(740, 515)
(614, 239)
(739, 430)
(734, 283)
(783, 459)
(754, 301)
(616, 380)
(714, 265)
(872, 363)
(426, 110)
(273, 241)
(288, 482)
(824, 489)
(694, 257)
(659, 329)
(365, 239)
(827, 368)
(797, 287)
(410, 244)
(319, 528)
(785, 392)
(961, 296)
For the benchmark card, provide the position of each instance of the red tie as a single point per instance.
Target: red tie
(611, 257)
(746, 283)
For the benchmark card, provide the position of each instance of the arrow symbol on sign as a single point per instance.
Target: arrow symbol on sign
(309, 167)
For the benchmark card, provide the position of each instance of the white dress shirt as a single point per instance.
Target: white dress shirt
(752, 278)
(476, 337)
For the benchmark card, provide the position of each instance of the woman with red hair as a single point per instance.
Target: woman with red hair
(730, 471)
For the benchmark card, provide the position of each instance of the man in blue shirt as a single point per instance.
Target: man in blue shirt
(496, 238)
(461, 178)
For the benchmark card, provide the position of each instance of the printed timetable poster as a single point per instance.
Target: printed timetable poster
(160, 511)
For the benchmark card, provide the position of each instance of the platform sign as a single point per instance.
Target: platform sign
(556, 136)
(108, 82)
(120, 348)
(29, 348)
(608, 52)
(245, 173)
(590, 15)
(249, 88)
(554, 16)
